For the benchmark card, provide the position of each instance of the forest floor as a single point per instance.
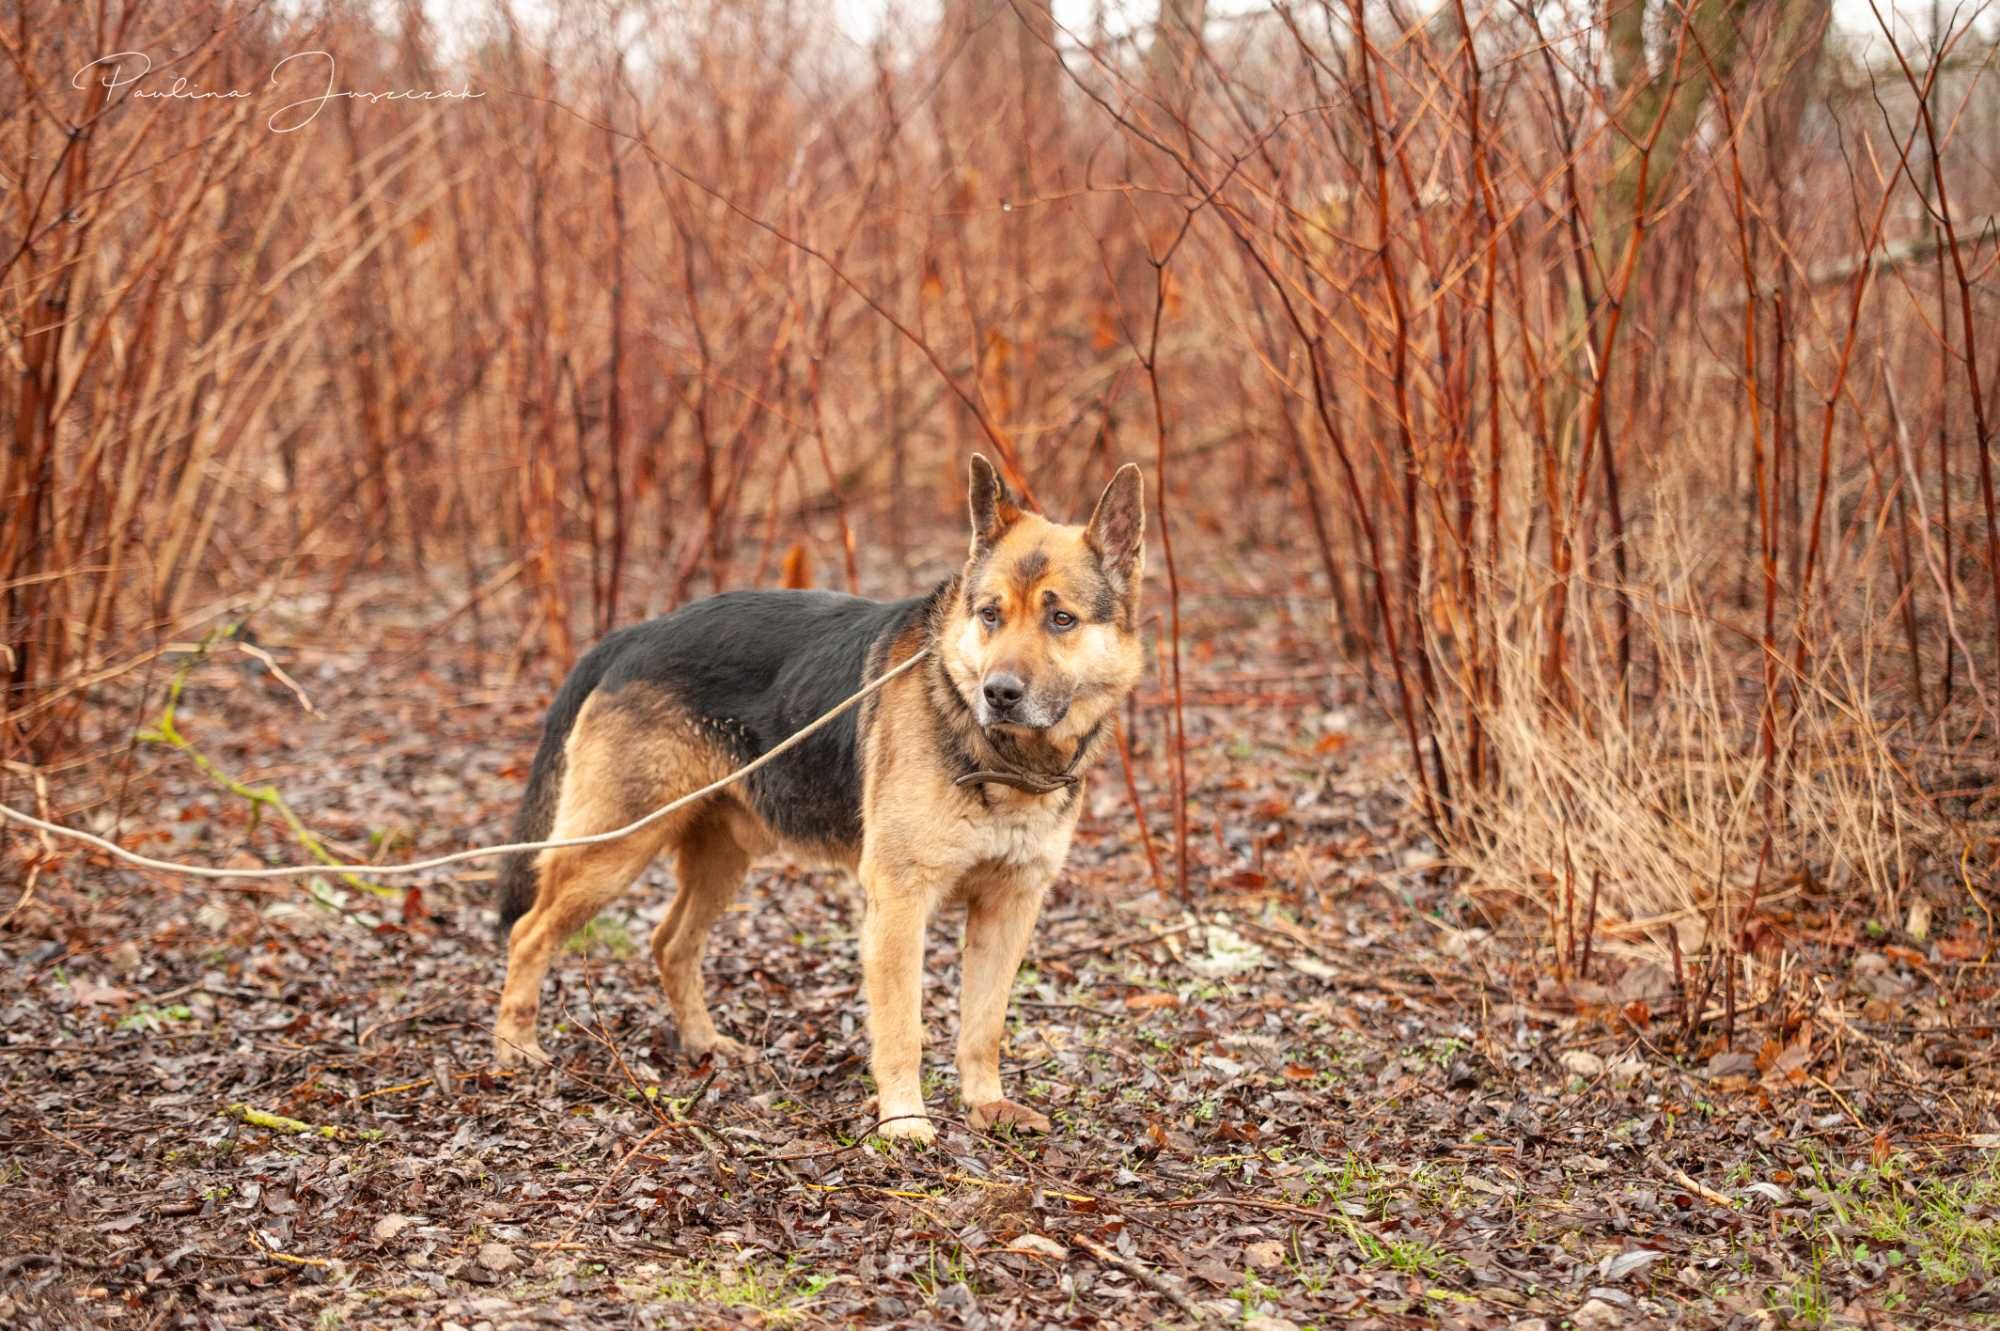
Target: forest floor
(1333, 1091)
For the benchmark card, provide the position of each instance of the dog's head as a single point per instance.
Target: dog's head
(1044, 637)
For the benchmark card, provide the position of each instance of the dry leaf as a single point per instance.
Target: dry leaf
(93, 993)
(1265, 1255)
(1582, 1063)
(1919, 925)
(1039, 1246)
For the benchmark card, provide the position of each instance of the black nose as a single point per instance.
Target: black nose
(1004, 692)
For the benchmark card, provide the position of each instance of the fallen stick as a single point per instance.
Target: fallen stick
(1347, 1222)
(1142, 1273)
(569, 1235)
(277, 1256)
(497, 1074)
(1695, 1186)
(260, 1118)
(398, 1019)
(392, 1090)
(1129, 940)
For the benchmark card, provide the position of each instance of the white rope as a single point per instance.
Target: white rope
(477, 853)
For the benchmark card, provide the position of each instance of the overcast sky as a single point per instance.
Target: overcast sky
(860, 21)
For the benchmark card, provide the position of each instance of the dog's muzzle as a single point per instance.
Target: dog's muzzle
(1006, 700)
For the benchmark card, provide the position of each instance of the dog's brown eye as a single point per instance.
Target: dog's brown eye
(990, 617)
(1062, 619)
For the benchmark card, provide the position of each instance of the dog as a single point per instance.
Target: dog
(958, 782)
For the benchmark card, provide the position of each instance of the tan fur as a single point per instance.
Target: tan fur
(926, 841)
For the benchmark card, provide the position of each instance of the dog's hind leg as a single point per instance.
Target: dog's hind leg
(573, 884)
(710, 864)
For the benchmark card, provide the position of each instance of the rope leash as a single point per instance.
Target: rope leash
(478, 852)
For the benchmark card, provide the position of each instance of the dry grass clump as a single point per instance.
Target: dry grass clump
(1663, 822)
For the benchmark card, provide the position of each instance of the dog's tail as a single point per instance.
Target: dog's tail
(537, 814)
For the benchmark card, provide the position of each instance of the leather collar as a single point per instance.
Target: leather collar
(1032, 782)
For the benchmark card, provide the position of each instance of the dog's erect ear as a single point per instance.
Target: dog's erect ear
(993, 511)
(1117, 531)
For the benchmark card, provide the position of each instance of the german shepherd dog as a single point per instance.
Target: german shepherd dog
(958, 782)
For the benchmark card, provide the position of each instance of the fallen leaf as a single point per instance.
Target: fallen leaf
(389, 1226)
(93, 993)
(1266, 1322)
(1582, 1063)
(497, 1258)
(1597, 1315)
(1264, 1256)
(1919, 924)
(1229, 953)
(1962, 947)
(1729, 1063)
(1039, 1246)
(796, 572)
(1620, 1265)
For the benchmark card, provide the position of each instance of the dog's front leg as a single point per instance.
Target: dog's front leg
(892, 969)
(998, 923)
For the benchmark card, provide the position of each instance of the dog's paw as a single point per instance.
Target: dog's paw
(527, 1052)
(1005, 1113)
(725, 1050)
(915, 1127)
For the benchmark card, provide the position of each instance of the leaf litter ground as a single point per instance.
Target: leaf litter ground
(1335, 1091)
